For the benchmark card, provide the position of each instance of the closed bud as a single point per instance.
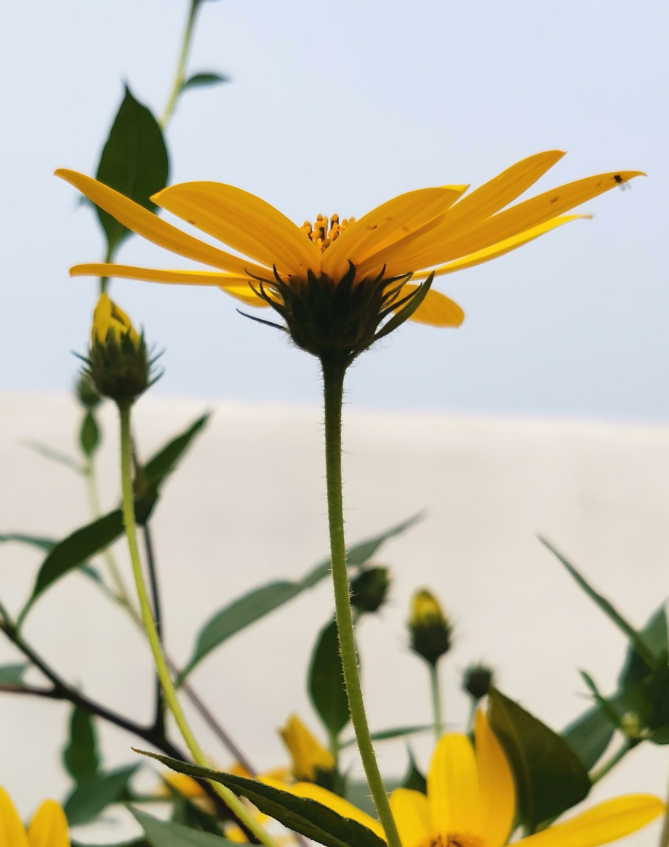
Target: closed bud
(311, 761)
(86, 392)
(369, 589)
(477, 680)
(429, 628)
(118, 361)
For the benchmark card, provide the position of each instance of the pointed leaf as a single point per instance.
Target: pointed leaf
(654, 635)
(589, 736)
(13, 674)
(54, 455)
(38, 541)
(326, 686)
(389, 734)
(168, 834)
(80, 756)
(164, 462)
(309, 818)
(414, 779)
(93, 794)
(406, 311)
(203, 79)
(134, 162)
(549, 776)
(261, 601)
(89, 434)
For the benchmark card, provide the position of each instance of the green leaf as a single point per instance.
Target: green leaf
(358, 793)
(134, 842)
(309, 818)
(89, 434)
(325, 684)
(261, 601)
(169, 834)
(54, 455)
(93, 794)
(389, 734)
(635, 637)
(654, 635)
(32, 540)
(164, 462)
(605, 707)
(407, 310)
(550, 777)
(203, 79)
(414, 779)
(13, 674)
(589, 736)
(134, 162)
(80, 756)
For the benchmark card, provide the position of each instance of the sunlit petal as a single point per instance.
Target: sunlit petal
(48, 827)
(436, 309)
(12, 833)
(453, 787)
(411, 811)
(498, 793)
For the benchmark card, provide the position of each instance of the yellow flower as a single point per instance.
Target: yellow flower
(308, 755)
(367, 263)
(48, 827)
(471, 802)
(108, 317)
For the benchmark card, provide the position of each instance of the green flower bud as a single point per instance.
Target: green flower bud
(369, 589)
(477, 680)
(86, 392)
(429, 628)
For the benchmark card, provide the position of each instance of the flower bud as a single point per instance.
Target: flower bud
(477, 680)
(118, 361)
(86, 392)
(369, 589)
(429, 628)
(310, 758)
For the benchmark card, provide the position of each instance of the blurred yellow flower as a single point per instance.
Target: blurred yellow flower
(430, 230)
(471, 802)
(48, 828)
(108, 317)
(307, 753)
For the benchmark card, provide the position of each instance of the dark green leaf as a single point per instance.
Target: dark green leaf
(261, 601)
(89, 434)
(413, 778)
(54, 455)
(80, 756)
(406, 311)
(605, 707)
(326, 686)
(589, 736)
(549, 775)
(187, 813)
(302, 815)
(13, 674)
(203, 79)
(169, 834)
(92, 795)
(134, 162)
(635, 637)
(654, 635)
(389, 734)
(163, 463)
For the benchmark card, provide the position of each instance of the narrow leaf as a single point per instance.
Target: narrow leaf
(134, 162)
(654, 635)
(168, 834)
(92, 795)
(89, 434)
(309, 818)
(203, 79)
(606, 708)
(13, 674)
(54, 455)
(80, 756)
(636, 638)
(38, 541)
(589, 736)
(389, 734)
(549, 775)
(325, 684)
(164, 462)
(261, 601)
(414, 779)
(406, 311)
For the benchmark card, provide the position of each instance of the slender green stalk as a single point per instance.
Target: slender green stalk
(333, 384)
(610, 764)
(664, 836)
(230, 799)
(180, 73)
(436, 701)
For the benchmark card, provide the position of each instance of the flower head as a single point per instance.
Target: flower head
(341, 285)
(48, 827)
(118, 362)
(429, 628)
(471, 802)
(308, 754)
(369, 589)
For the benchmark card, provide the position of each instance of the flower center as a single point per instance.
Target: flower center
(325, 230)
(455, 839)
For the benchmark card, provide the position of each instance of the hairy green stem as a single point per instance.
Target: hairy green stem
(180, 73)
(230, 799)
(436, 701)
(615, 759)
(333, 385)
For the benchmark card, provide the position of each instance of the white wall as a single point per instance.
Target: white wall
(248, 506)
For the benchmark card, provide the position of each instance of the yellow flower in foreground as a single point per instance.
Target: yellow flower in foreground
(308, 755)
(335, 282)
(471, 802)
(48, 827)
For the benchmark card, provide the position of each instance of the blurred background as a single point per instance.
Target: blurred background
(336, 108)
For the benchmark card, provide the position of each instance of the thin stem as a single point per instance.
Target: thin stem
(436, 701)
(231, 800)
(182, 61)
(333, 385)
(610, 764)
(664, 836)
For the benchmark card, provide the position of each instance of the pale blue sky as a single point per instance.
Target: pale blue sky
(336, 107)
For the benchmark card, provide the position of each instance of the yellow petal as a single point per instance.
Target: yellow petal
(411, 811)
(332, 801)
(385, 224)
(307, 753)
(102, 317)
(244, 222)
(436, 309)
(502, 247)
(12, 833)
(604, 823)
(160, 275)
(453, 787)
(48, 827)
(508, 223)
(150, 226)
(498, 794)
